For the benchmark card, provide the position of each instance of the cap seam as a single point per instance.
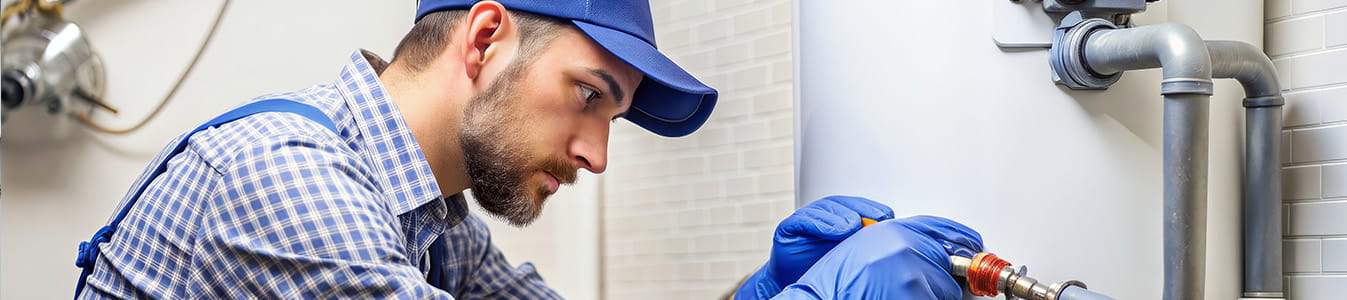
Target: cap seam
(587, 7)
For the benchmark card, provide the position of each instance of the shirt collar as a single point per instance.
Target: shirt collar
(395, 156)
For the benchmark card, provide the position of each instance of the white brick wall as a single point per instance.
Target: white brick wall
(1307, 39)
(686, 218)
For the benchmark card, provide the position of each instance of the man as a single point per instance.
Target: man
(353, 190)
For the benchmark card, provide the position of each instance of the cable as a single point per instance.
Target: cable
(87, 121)
(20, 6)
(14, 8)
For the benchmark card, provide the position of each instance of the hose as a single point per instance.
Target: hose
(85, 119)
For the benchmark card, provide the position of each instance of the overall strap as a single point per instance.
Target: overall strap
(88, 250)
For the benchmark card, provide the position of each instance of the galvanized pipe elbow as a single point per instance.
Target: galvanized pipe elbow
(1248, 65)
(1176, 48)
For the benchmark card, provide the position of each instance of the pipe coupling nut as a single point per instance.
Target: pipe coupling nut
(1067, 54)
(1269, 101)
(1055, 289)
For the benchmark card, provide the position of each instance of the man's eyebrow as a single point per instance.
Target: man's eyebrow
(612, 84)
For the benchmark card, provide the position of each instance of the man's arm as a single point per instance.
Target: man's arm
(297, 217)
(490, 275)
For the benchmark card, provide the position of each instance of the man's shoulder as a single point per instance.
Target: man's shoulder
(269, 133)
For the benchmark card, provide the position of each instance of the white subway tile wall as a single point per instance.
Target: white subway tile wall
(1306, 254)
(1335, 263)
(1336, 36)
(1295, 35)
(1307, 40)
(686, 218)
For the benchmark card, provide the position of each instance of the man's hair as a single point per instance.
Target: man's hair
(430, 36)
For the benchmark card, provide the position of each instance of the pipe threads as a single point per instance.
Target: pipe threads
(984, 273)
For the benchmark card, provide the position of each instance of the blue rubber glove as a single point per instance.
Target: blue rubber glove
(905, 258)
(804, 237)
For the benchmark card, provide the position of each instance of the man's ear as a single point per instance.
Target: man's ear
(488, 25)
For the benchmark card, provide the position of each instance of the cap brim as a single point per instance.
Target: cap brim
(669, 102)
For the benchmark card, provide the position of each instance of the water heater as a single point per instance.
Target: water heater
(918, 104)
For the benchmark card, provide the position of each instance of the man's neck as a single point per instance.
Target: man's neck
(434, 120)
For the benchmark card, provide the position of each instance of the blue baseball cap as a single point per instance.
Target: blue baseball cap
(669, 102)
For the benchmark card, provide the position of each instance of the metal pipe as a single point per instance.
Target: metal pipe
(1187, 90)
(1079, 293)
(1262, 210)
(988, 276)
(1246, 64)
(1185, 190)
(1174, 47)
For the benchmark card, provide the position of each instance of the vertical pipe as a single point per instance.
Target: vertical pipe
(1262, 203)
(1185, 189)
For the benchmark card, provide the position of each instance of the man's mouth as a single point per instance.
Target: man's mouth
(552, 183)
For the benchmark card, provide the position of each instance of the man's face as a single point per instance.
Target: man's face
(538, 123)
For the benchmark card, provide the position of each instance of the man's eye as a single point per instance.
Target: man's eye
(589, 94)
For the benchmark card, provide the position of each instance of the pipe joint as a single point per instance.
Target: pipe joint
(1270, 101)
(1175, 86)
(1068, 58)
(1177, 49)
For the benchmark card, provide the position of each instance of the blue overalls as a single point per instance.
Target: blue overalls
(88, 251)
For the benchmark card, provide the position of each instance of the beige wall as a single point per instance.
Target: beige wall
(61, 182)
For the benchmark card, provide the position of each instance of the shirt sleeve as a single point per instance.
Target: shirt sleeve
(297, 217)
(490, 275)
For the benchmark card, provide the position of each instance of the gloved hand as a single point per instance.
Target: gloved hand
(905, 258)
(804, 237)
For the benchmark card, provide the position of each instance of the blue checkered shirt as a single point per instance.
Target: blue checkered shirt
(277, 206)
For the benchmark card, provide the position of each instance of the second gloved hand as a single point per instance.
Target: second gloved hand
(904, 258)
(807, 235)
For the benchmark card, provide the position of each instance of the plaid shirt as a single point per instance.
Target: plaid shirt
(277, 206)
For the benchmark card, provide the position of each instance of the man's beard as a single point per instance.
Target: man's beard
(494, 151)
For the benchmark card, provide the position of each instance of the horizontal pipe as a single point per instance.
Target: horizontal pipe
(1079, 293)
(1176, 48)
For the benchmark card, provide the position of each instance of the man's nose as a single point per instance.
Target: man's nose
(589, 150)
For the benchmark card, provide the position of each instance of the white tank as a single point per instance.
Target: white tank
(912, 104)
